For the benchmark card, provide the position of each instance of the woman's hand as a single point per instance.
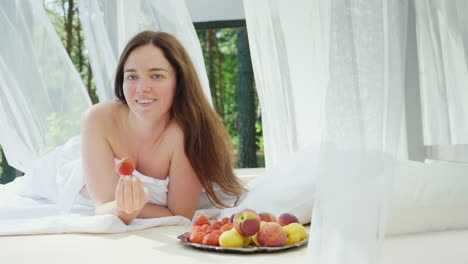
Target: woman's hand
(130, 196)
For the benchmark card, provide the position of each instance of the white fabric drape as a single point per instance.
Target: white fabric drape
(109, 25)
(366, 61)
(42, 95)
(354, 53)
(442, 34)
(286, 94)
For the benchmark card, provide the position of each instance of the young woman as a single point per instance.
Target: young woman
(164, 123)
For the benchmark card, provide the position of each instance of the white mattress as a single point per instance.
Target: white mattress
(448, 247)
(159, 245)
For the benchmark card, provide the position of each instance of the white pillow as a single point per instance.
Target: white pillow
(426, 197)
(285, 188)
(56, 176)
(429, 197)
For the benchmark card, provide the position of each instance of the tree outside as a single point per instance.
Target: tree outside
(227, 60)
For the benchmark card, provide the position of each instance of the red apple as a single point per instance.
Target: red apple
(247, 222)
(267, 217)
(125, 166)
(271, 234)
(286, 219)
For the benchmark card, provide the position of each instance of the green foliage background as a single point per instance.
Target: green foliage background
(227, 43)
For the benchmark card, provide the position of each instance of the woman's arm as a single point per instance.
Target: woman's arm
(184, 186)
(183, 194)
(98, 161)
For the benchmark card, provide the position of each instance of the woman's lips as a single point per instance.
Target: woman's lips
(145, 102)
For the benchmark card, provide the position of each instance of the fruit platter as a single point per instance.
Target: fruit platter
(246, 232)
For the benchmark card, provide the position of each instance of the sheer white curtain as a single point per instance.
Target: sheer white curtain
(109, 25)
(282, 58)
(442, 34)
(42, 96)
(366, 63)
(353, 69)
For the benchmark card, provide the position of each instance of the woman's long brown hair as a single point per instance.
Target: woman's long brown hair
(207, 143)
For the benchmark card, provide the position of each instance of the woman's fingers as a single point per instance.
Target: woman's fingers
(130, 194)
(119, 193)
(128, 201)
(145, 195)
(136, 188)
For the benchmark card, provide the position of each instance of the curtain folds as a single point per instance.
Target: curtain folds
(347, 59)
(286, 93)
(366, 64)
(42, 95)
(109, 25)
(442, 37)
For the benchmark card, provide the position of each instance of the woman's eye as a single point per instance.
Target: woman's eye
(131, 77)
(157, 76)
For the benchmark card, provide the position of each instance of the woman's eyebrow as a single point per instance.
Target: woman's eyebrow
(157, 69)
(152, 69)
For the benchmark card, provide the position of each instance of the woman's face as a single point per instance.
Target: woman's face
(149, 82)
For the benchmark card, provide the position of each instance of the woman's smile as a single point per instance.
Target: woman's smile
(146, 102)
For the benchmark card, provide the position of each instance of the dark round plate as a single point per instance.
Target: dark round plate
(249, 250)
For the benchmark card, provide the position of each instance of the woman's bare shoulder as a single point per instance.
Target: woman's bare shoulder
(104, 113)
(174, 132)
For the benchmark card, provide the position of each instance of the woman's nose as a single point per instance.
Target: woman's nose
(144, 85)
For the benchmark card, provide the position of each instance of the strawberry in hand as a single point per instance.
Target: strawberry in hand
(125, 166)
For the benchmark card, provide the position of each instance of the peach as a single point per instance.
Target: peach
(231, 238)
(247, 222)
(225, 220)
(299, 228)
(254, 237)
(196, 228)
(197, 237)
(216, 225)
(286, 219)
(201, 220)
(125, 166)
(219, 232)
(226, 227)
(211, 239)
(271, 234)
(247, 241)
(293, 232)
(255, 240)
(205, 227)
(267, 217)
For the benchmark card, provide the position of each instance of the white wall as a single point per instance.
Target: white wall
(214, 10)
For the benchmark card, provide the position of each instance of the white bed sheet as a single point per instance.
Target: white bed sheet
(159, 245)
(21, 216)
(427, 248)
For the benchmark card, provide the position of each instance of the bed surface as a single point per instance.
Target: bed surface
(159, 245)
